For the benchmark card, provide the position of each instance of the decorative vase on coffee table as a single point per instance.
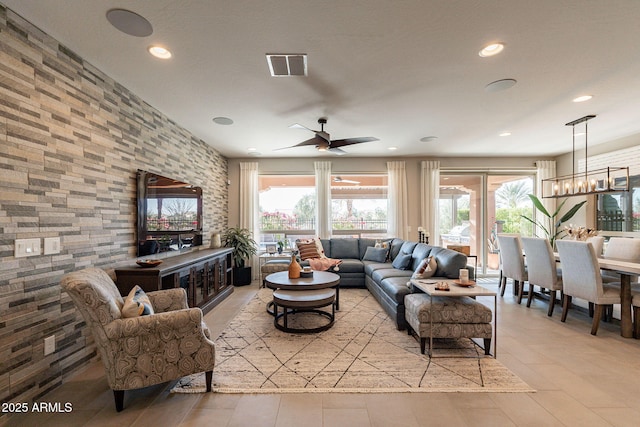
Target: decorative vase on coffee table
(294, 268)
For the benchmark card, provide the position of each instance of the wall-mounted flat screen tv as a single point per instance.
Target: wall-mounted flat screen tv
(169, 214)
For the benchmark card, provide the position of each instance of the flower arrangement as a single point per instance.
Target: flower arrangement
(579, 233)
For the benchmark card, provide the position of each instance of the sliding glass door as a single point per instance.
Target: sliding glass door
(475, 207)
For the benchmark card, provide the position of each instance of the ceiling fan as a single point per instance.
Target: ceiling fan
(322, 140)
(345, 181)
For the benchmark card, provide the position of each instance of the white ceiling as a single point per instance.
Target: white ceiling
(397, 70)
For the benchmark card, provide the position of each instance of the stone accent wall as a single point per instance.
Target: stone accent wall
(71, 141)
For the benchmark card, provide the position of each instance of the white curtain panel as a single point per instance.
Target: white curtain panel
(429, 196)
(545, 169)
(323, 199)
(397, 200)
(249, 206)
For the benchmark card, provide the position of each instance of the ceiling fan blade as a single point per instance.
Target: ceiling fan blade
(350, 141)
(324, 135)
(299, 126)
(338, 152)
(310, 141)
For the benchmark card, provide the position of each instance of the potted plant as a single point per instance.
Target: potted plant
(244, 247)
(551, 226)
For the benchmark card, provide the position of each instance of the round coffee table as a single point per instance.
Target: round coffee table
(308, 301)
(319, 280)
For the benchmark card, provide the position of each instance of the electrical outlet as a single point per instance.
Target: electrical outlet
(49, 345)
(51, 245)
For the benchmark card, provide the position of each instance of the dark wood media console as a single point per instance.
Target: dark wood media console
(206, 275)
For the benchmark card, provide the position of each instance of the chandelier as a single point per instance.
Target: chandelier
(604, 180)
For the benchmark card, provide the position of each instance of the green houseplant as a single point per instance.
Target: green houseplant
(244, 247)
(551, 224)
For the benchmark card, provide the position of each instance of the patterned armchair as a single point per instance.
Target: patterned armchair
(141, 351)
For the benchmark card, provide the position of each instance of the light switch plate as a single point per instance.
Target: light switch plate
(51, 245)
(27, 247)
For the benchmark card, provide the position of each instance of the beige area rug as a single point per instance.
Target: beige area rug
(362, 352)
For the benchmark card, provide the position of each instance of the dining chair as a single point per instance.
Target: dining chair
(513, 265)
(541, 268)
(598, 244)
(621, 248)
(581, 279)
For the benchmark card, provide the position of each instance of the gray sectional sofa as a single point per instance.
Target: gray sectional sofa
(388, 284)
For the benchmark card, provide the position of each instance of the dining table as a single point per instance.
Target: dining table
(626, 270)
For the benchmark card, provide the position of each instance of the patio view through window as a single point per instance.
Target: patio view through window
(288, 207)
(474, 208)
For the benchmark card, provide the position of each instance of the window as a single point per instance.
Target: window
(287, 208)
(359, 205)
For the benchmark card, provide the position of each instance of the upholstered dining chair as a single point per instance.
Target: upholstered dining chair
(146, 350)
(581, 279)
(622, 248)
(598, 244)
(513, 265)
(541, 268)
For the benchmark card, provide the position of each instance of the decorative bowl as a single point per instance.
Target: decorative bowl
(468, 284)
(146, 263)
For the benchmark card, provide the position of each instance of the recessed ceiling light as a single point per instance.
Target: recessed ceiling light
(251, 149)
(505, 133)
(499, 85)
(129, 22)
(583, 98)
(392, 148)
(428, 138)
(226, 121)
(492, 49)
(159, 52)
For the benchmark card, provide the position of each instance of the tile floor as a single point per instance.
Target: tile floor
(581, 380)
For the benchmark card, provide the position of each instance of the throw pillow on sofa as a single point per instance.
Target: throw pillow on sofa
(137, 303)
(426, 269)
(308, 249)
(376, 254)
(402, 261)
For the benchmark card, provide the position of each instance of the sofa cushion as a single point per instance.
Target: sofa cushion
(420, 252)
(449, 262)
(345, 248)
(370, 266)
(326, 247)
(351, 266)
(396, 288)
(408, 247)
(363, 245)
(375, 254)
(402, 261)
(396, 244)
(384, 273)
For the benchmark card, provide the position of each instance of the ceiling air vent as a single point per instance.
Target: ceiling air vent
(284, 65)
